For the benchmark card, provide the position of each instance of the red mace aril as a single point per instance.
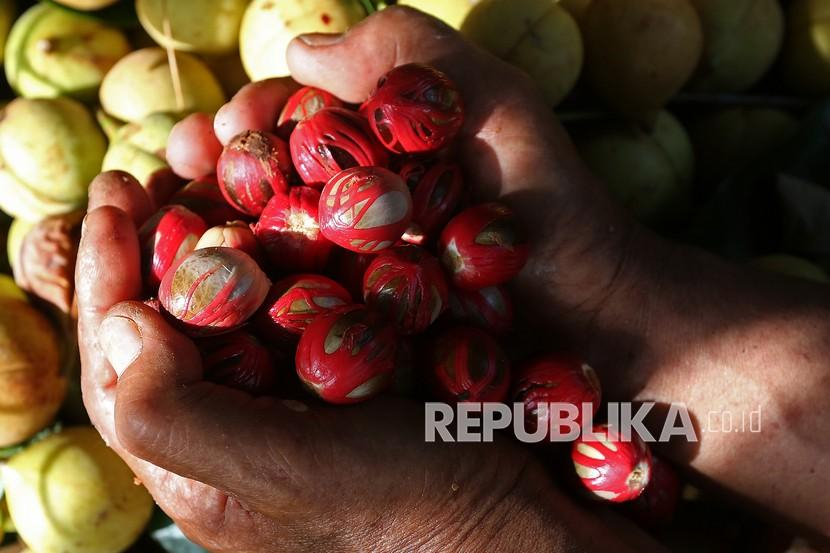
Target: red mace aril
(204, 198)
(467, 364)
(331, 140)
(239, 361)
(437, 191)
(348, 268)
(303, 104)
(406, 284)
(347, 355)
(612, 468)
(289, 230)
(482, 246)
(294, 302)
(490, 308)
(253, 167)
(213, 290)
(658, 502)
(165, 238)
(415, 109)
(236, 234)
(556, 378)
(365, 209)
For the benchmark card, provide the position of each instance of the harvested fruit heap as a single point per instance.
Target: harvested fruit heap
(343, 238)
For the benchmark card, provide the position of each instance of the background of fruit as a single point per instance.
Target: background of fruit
(705, 117)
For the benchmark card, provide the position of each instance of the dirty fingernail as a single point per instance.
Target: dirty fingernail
(321, 39)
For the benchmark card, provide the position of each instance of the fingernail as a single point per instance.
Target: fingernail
(321, 39)
(121, 341)
(294, 405)
(83, 226)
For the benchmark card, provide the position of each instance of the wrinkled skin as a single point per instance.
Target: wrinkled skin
(248, 475)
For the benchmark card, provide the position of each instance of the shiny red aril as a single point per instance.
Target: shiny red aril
(289, 230)
(331, 140)
(204, 198)
(213, 290)
(235, 234)
(253, 167)
(406, 284)
(166, 237)
(294, 302)
(611, 467)
(347, 355)
(556, 378)
(240, 361)
(658, 502)
(415, 109)
(482, 246)
(303, 104)
(437, 190)
(365, 209)
(467, 364)
(490, 308)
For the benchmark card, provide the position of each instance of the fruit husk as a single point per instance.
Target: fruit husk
(139, 148)
(8, 9)
(805, 60)
(451, 12)
(86, 5)
(204, 26)
(55, 52)
(70, 492)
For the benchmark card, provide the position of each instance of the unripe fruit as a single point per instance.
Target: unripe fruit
(204, 198)
(640, 53)
(538, 36)
(451, 12)
(140, 148)
(805, 59)
(577, 8)
(252, 168)
(741, 39)
(482, 246)
(166, 237)
(330, 141)
(213, 290)
(10, 290)
(792, 266)
(467, 364)
(303, 104)
(365, 209)
(205, 26)
(556, 378)
(490, 308)
(294, 302)
(235, 234)
(141, 83)
(437, 191)
(347, 355)
(649, 172)
(407, 285)
(610, 467)
(54, 52)
(239, 361)
(414, 109)
(289, 230)
(70, 492)
(268, 27)
(87, 5)
(8, 11)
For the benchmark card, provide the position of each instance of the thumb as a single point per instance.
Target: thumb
(167, 415)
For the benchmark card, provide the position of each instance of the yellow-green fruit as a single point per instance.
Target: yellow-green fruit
(9, 289)
(139, 148)
(142, 83)
(50, 150)
(538, 36)
(451, 12)
(268, 26)
(8, 10)
(70, 493)
(578, 8)
(806, 57)
(792, 266)
(728, 139)
(741, 39)
(31, 386)
(640, 53)
(55, 52)
(17, 232)
(87, 5)
(648, 172)
(205, 26)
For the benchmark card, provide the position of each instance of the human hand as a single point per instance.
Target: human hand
(261, 474)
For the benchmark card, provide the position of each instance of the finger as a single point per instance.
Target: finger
(255, 107)
(122, 190)
(193, 149)
(161, 186)
(167, 415)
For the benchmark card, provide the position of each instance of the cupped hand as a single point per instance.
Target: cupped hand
(261, 474)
